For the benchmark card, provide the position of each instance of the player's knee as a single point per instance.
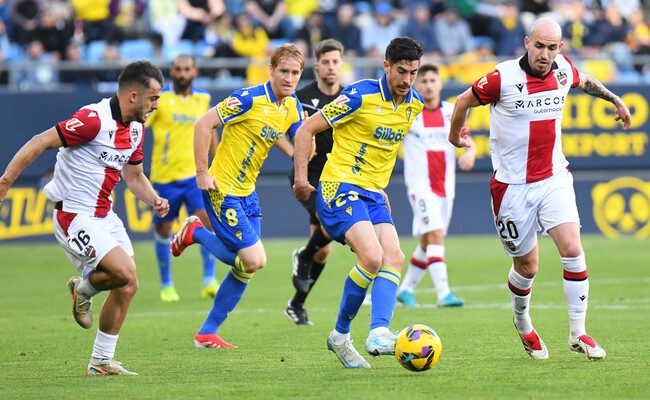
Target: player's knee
(371, 262)
(395, 259)
(527, 269)
(571, 250)
(254, 264)
(125, 276)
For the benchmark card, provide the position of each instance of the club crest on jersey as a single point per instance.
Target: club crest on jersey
(72, 124)
(134, 135)
(561, 77)
(233, 102)
(409, 111)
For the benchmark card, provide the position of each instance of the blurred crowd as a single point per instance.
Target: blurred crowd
(47, 42)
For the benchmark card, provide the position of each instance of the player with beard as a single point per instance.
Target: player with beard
(309, 261)
(181, 104)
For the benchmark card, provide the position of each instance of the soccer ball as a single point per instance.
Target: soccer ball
(418, 348)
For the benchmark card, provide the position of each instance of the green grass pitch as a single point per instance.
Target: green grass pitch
(43, 353)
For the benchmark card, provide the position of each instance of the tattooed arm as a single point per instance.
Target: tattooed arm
(593, 87)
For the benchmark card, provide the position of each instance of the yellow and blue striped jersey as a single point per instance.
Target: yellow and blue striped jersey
(172, 124)
(368, 129)
(252, 121)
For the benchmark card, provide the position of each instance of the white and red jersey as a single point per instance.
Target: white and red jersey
(429, 157)
(526, 118)
(96, 145)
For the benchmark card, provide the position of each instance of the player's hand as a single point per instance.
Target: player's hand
(4, 188)
(161, 206)
(464, 139)
(623, 115)
(387, 200)
(205, 181)
(302, 190)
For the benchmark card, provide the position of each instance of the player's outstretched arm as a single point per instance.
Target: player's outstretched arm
(592, 86)
(302, 149)
(30, 151)
(458, 132)
(139, 184)
(203, 137)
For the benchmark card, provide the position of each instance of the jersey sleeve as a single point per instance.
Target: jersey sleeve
(342, 107)
(234, 106)
(80, 128)
(488, 89)
(576, 73)
(294, 127)
(138, 156)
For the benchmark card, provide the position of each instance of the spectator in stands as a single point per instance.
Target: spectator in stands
(72, 71)
(508, 31)
(577, 30)
(420, 27)
(380, 31)
(253, 42)
(166, 20)
(199, 14)
(128, 17)
(610, 33)
(38, 72)
(24, 14)
(455, 33)
(95, 18)
(345, 31)
(272, 15)
(312, 33)
(639, 37)
(298, 11)
(54, 32)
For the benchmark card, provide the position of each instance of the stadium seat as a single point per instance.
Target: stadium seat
(95, 51)
(136, 49)
(181, 47)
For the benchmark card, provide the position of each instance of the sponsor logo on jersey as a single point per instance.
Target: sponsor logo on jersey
(342, 99)
(388, 133)
(72, 124)
(114, 158)
(481, 83)
(268, 132)
(520, 86)
(315, 102)
(233, 102)
(540, 102)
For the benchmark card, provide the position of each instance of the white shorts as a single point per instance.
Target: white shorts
(430, 212)
(89, 239)
(526, 209)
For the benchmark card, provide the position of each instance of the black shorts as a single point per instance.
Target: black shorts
(309, 204)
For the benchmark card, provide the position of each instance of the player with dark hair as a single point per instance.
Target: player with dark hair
(180, 105)
(97, 145)
(532, 188)
(370, 119)
(309, 261)
(254, 119)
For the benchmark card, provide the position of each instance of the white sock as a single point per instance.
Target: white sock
(520, 293)
(86, 288)
(416, 270)
(438, 269)
(576, 292)
(380, 331)
(339, 338)
(104, 346)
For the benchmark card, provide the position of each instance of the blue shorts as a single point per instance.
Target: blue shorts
(179, 193)
(235, 220)
(348, 204)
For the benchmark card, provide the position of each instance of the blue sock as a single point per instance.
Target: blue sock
(164, 257)
(230, 292)
(354, 291)
(209, 262)
(214, 245)
(384, 291)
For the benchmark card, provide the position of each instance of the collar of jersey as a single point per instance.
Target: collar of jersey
(385, 93)
(116, 113)
(523, 63)
(270, 96)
